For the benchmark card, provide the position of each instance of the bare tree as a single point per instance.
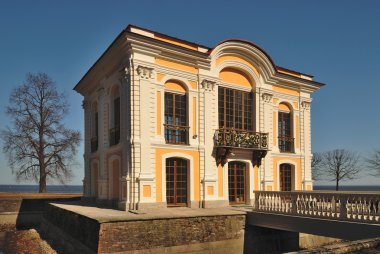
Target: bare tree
(373, 162)
(38, 145)
(340, 164)
(316, 164)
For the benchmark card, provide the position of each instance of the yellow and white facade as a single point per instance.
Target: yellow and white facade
(173, 123)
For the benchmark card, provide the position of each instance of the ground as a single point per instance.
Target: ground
(22, 241)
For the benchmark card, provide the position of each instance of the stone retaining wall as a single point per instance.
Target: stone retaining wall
(211, 234)
(25, 210)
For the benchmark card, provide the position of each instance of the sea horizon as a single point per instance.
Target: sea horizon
(56, 188)
(33, 188)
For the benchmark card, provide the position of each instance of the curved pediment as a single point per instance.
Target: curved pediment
(244, 54)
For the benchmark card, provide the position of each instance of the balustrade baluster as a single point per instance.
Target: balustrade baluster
(342, 206)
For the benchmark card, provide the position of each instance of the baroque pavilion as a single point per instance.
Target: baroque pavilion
(173, 123)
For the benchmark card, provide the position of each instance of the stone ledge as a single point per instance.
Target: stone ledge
(104, 215)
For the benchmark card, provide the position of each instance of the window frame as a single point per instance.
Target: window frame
(228, 117)
(174, 133)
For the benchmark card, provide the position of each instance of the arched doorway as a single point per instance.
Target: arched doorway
(176, 182)
(237, 182)
(285, 177)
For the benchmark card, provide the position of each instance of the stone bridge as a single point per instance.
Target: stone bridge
(344, 215)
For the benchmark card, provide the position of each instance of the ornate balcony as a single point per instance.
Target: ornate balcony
(286, 144)
(114, 136)
(241, 139)
(94, 144)
(227, 139)
(176, 134)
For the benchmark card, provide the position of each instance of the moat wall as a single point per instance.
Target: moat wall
(211, 234)
(208, 234)
(26, 210)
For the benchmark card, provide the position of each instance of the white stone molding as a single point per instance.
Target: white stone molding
(208, 85)
(267, 97)
(145, 72)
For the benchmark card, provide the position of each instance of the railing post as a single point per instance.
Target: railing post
(343, 206)
(257, 196)
(293, 198)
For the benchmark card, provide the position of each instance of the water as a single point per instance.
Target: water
(348, 187)
(34, 188)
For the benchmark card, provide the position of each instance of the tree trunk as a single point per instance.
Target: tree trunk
(337, 185)
(42, 187)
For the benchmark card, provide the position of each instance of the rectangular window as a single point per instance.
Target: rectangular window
(115, 131)
(235, 109)
(116, 106)
(95, 134)
(176, 129)
(285, 139)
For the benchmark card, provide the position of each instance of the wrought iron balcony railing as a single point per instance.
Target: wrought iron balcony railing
(114, 136)
(94, 144)
(176, 134)
(241, 139)
(286, 144)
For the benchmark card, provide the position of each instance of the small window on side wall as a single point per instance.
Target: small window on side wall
(285, 132)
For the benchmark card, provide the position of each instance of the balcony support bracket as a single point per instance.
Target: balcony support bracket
(221, 155)
(257, 156)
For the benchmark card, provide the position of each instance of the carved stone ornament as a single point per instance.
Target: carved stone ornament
(124, 73)
(267, 97)
(305, 105)
(85, 104)
(145, 72)
(208, 85)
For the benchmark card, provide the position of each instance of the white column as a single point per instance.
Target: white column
(87, 148)
(210, 121)
(266, 124)
(102, 125)
(306, 125)
(144, 132)
(125, 137)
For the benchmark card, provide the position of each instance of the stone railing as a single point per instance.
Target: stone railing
(347, 206)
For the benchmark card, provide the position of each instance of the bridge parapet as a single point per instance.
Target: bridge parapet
(342, 206)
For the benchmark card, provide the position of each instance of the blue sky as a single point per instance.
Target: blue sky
(336, 41)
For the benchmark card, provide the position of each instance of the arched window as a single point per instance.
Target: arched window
(176, 182)
(115, 117)
(237, 182)
(176, 126)
(94, 127)
(285, 132)
(285, 177)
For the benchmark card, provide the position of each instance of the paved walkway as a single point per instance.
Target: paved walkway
(111, 215)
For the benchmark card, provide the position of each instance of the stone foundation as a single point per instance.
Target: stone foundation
(173, 234)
